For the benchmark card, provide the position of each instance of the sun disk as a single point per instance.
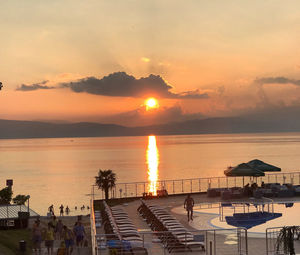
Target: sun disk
(151, 103)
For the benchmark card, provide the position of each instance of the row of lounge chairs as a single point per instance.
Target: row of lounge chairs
(159, 193)
(122, 235)
(268, 190)
(226, 193)
(277, 190)
(173, 235)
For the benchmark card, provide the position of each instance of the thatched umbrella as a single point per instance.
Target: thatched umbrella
(243, 170)
(262, 166)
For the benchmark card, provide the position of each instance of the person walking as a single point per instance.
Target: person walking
(188, 205)
(37, 237)
(53, 222)
(79, 232)
(61, 210)
(49, 238)
(51, 210)
(67, 210)
(69, 239)
(59, 230)
(61, 249)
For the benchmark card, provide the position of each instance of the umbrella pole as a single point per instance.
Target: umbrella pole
(243, 181)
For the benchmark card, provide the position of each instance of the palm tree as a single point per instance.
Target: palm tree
(285, 239)
(105, 181)
(20, 199)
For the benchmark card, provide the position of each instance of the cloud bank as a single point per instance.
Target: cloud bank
(35, 86)
(120, 84)
(278, 80)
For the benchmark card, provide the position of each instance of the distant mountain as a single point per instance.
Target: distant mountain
(35, 129)
(223, 126)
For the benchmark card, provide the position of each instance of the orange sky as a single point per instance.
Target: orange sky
(215, 47)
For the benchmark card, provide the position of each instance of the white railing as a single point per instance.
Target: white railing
(93, 226)
(196, 185)
(263, 205)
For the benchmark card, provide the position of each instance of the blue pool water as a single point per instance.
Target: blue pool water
(283, 216)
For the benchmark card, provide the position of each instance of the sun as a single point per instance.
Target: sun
(151, 103)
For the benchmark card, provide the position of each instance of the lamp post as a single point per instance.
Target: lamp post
(28, 203)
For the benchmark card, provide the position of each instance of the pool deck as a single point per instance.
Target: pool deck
(256, 246)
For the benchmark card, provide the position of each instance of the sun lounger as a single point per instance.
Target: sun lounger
(172, 233)
(118, 223)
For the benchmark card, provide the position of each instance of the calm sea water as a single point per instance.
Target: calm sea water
(63, 170)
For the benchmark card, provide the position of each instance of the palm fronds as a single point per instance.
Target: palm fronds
(106, 180)
(285, 239)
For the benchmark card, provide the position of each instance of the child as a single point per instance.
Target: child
(62, 249)
(37, 237)
(69, 239)
(49, 238)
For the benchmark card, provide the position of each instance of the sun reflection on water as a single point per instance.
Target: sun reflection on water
(152, 161)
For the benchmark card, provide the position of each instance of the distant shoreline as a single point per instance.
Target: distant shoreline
(14, 129)
(70, 137)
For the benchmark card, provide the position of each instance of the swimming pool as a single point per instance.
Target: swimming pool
(210, 217)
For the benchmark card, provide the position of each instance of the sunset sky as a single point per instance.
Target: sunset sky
(71, 60)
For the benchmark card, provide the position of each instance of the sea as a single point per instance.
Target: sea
(62, 170)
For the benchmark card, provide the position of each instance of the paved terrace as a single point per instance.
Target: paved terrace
(226, 244)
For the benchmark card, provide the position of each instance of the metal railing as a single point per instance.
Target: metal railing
(196, 185)
(93, 225)
(215, 241)
(264, 205)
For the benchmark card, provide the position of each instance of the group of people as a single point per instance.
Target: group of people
(62, 209)
(249, 189)
(56, 230)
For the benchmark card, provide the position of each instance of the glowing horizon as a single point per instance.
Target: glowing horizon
(153, 162)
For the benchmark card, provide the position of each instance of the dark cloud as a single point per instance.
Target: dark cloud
(278, 80)
(120, 84)
(265, 100)
(35, 86)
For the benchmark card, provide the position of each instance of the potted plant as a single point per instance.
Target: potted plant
(285, 239)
